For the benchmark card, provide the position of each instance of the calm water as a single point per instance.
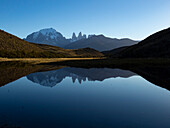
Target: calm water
(82, 98)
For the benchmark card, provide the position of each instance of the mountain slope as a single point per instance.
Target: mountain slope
(115, 51)
(100, 43)
(156, 45)
(12, 46)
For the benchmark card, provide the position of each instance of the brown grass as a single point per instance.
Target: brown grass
(42, 60)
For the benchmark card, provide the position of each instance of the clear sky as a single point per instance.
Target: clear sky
(135, 19)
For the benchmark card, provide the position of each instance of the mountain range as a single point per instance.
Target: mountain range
(13, 47)
(154, 46)
(50, 36)
(100, 43)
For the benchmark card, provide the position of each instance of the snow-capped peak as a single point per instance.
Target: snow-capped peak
(49, 32)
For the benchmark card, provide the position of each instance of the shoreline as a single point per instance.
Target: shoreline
(43, 60)
(93, 61)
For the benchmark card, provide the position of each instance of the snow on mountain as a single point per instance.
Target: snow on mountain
(49, 33)
(47, 36)
(52, 33)
(98, 42)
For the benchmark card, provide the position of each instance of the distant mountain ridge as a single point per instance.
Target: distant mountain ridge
(98, 42)
(155, 46)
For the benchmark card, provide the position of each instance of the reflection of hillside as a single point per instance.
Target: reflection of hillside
(157, 75)
(13, 71)
(51, 78)
(10, 71)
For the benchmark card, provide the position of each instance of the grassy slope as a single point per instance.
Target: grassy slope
(12, 46)
(12, 43)
(41, 60)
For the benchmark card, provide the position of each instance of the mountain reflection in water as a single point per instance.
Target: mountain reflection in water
(108, 97)
(50, 75)
(52, 78)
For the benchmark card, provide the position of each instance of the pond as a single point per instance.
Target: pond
(84, 98)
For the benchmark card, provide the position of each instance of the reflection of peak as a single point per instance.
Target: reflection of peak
(73, 79)
(79, 79)
(51, 78)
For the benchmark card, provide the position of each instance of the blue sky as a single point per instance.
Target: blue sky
(134, 19)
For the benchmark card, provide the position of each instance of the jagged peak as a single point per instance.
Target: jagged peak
(74, 35)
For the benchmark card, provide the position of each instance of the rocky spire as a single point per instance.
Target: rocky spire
(80, 36)
(74, 38)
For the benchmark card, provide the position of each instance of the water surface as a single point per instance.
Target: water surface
(77, 97)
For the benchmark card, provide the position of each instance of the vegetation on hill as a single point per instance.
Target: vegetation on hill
(14, 47)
